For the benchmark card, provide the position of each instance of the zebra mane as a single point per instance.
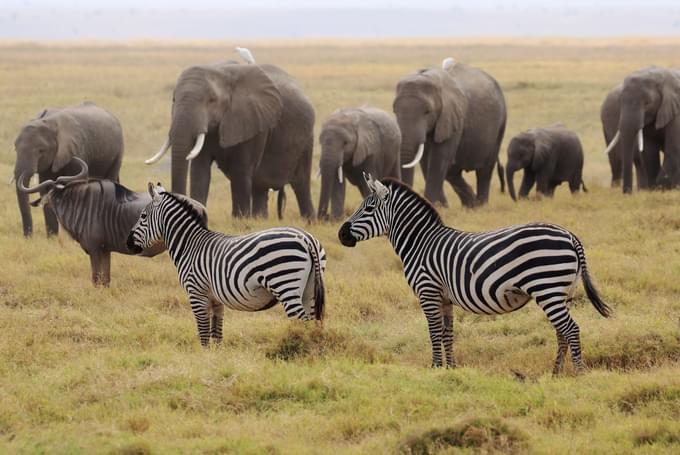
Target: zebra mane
(401, 187)
(189, 208)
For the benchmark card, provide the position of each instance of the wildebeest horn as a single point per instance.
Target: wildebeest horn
(161, 152)
(34, 189)
(80, 175)
(415, 161)
(197, 147)
(640, 140)
(612, 144)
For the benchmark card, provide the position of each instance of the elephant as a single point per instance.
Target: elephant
(609, 115)
(254, 121)
(355, 141)
(548, 156)
(48, 143)
(649, 121)
(451, 121)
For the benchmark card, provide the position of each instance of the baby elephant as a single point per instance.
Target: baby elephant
(98, 214)
(355, 141)
(548, 156)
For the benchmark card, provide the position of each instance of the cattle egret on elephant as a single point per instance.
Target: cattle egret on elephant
(447, 63)
(245, 54)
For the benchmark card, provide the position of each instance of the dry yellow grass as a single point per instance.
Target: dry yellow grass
(120, 370)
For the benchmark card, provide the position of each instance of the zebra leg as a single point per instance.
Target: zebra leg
(562, 345)
(447, 337)
(554, 306)
(200, 305)
(216, 321)
(433, 313)
(289, 294)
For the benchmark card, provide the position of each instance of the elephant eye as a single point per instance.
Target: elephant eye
(427, 111)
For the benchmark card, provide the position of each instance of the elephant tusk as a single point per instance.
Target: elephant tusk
(640, 140)
(11, 180)
(612, 144)
(416, 160)
(200, 140)
(340, 176)
(318, 172)
(160, 153)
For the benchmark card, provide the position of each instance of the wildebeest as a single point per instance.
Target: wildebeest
(98, 214)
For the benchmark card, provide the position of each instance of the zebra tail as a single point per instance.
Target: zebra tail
(281, 203)
(591, 292)
(501, 174)
(319, 287)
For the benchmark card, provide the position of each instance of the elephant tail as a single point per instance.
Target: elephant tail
(501, 174)
(281, 203)
(591, 292)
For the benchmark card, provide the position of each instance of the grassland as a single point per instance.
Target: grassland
(120, 370)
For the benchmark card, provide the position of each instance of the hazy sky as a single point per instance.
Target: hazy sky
(289, 4)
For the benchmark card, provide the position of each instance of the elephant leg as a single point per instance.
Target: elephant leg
(543, 185)
(407, 176)
(460, 186)
(651, 162)
(484, 184)
(241, 194)
(303, 195)
(260, 202)
(640, 172)
(51, 222)
(200, 178)
(528, 180)
(616, 166)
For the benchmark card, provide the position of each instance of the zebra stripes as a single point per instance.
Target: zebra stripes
(252, 272)
(493, 272)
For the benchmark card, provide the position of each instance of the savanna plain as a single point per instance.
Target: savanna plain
(120, 370)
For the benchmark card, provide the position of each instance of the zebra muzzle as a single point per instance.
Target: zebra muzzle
(345, 235)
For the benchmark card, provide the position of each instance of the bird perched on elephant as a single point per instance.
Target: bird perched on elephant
(548, 156)
(98, 214)
(254, 121)
(355, 141)
(648, 122)
(47, 144)
(451, 121)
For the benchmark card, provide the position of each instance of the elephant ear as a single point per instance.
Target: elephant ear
(69, 141)
(670, 101)
(541, 152)
(255, 105)
(368, 139)
(454, 104)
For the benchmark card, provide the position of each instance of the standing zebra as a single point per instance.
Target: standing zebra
(252, 272)
(487, 273)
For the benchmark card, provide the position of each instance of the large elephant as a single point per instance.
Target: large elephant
(548, 156)
(653, 138)
(649, 121)
(254, 121)
(354, 141)
(451, 121)
(48, 143)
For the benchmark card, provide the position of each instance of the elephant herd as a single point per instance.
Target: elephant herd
(256, 123)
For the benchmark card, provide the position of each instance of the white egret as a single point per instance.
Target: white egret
(245, 54)
(448, 63)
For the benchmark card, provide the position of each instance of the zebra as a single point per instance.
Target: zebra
(486, 273)
(252, 272)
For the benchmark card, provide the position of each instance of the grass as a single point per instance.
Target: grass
(120, 370)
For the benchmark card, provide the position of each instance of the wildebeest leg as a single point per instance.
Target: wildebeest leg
(216, 321)
(51, 222)
(95, 263)
(105, 268)
(200, 306)
(447, 337)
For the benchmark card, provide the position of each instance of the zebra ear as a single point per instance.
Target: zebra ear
(381, 190)
(153, 191)
(369, 181)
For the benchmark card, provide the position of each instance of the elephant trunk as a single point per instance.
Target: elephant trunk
(410, 154)
(183, 137)
(26, 169)
(332, 189)
(509, 174)
(629, 127)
